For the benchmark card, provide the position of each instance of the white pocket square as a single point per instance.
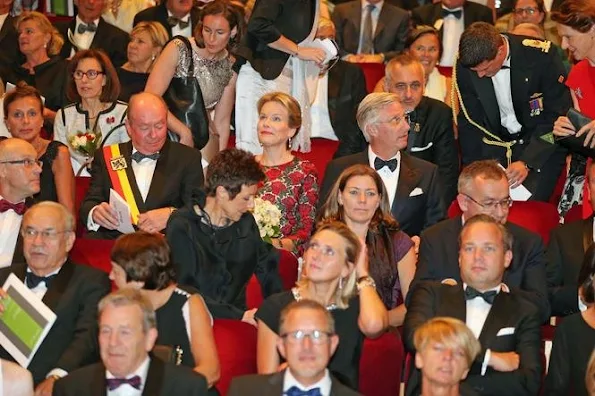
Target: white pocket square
(416, 191)
(418, 149)
(505, 331)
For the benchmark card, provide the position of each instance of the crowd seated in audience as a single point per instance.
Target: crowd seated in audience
(413, 189)
(142, 261)
(529, 11)
(336, 275)
(358, 198)
(504, 322)
(574, 340)
(147, 39)
(88, 30)
(160, 176)
(23, 109)
(93, 87)
(220, 26)
(215, 242)
(19, 181)
(127, 333)
(291, 183)
(178, 17)
(307, 340)
(446, 349)
(483, 189)
(70, 290)
(38, 63)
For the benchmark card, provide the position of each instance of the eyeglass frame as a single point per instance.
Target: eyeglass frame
(527, 10)
(298, 336)
(26, 162)
(83, 74)
(46, 235)
(508, 202)
(397, 119)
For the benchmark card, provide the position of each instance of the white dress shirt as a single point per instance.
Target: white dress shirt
(10, 225)
(390, 179)
(375, 16)
(41, 287)
(126, 389)
(84, 40)
(176, 31)
(324, 384)
(319, 112)
(501, 82)
(451, 34)
(143, 173)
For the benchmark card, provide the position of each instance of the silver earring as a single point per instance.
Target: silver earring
(341, 283)
(153, 58)
(289, 143)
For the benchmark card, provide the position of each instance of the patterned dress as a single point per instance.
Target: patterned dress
(293, 187)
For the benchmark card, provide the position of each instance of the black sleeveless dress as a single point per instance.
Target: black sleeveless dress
(48, 191)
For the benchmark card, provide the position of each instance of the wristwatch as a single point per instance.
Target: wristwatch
(365, 281)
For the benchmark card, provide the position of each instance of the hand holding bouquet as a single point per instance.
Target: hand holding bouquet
(85, 143)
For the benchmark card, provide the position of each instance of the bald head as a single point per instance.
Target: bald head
(147, 122)
(19, 170)
(11, 148)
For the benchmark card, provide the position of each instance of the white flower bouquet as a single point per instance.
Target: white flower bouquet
(268, 219)
(85, 143)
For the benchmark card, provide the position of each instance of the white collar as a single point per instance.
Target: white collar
(141, 371)
(185, 18)
(372, 157)
(497, 289)
(55, 272)
(452, 9)
(324, 384)
(22, 200)
(507, 59)
(377, 5)
(79, 21)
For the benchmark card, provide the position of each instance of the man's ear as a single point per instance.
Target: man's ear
(150, 339)
(507, 258)
(419, 363)
(462, 201)
(334, 343)
(281, 347)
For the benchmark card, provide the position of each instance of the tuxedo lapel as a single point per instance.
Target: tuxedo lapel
(487, 96)
(98, 38)
(19, 269)
(355, 15)
(335, 79)
(97, 382)
(383, 20)
(162, 18)
(275, 383)
(6, 26)
(587, 233)
(501, 308)
(436, 14)
(58, 286)
(126, 151)
(519, 79)
(408, 180)
(159, 177)
(468, 17)
(454, 304)
(155, 377)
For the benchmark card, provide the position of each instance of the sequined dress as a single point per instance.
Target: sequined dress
(213, 75)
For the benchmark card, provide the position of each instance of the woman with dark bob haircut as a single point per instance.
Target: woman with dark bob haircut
(575, 339)
(93, 87)
(141, 260)
(216, 244)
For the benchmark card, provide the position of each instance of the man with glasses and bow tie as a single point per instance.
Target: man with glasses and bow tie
(19, 180)
(307, 341)
(70, 290)
(483, 189)
(154, 175)
(89, 30)
(178, 17)
(451, 18)
(412, 185)
(505, 323)
(127, 333)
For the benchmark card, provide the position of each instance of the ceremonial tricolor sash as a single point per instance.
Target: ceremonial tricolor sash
(116, 168)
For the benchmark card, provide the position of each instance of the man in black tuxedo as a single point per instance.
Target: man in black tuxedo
(512, 90)
(89, 30)
(451, 18)
(307, 341)
(370, 31)
(127, 333)
(565, 255)
(70, 290)
(483, 189)
(162, 174)
(431, 135)
(178, 17)
(507, 325)
(412, 184)
(9, 38)
(19, 180)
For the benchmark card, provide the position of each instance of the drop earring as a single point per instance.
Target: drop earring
(341, 283)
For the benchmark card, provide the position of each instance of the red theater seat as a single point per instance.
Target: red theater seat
(373, 72)
(321, 154)
(93, 252)
(288, 269)
(381, 365)
(236, 347)
(539, 217)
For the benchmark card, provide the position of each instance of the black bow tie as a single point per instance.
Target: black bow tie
(173, 21)
(137, 156)
(114, 383)
(295, 391)
(489, 296)
(33, 280)
(379, 163)
(83, 27)
(456, 13)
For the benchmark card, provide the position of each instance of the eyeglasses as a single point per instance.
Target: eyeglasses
(316, 336)
(91, 74)
(397, 120)
(27, 163)
(491, 205)
(323, 249)
(527, 10)
(46, 235)
(402, 87)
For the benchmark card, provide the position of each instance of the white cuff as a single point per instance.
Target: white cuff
(581, 305)
(58, 372)
(91, 225)
(486, 360)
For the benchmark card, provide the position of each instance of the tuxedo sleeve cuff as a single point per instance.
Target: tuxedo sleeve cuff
(57, 372)
(91, 225)
(486, 360)
(582, 307)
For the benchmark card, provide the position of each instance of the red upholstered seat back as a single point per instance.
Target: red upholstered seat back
(288, 269)
(236, 346)
(381, 365)
(93, 252)
(373, 72)
(539, 217)
(321, 154)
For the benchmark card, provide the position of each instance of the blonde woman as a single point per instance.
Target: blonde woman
(335, 269)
